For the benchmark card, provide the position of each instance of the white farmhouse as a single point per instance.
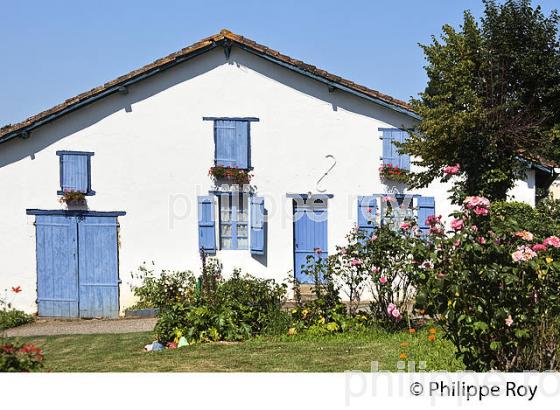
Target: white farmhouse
(140, 148)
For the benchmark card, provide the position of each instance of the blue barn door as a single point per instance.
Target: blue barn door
(98, 267)
(57, 266)
(310, 234)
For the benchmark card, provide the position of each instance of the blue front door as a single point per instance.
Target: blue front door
(77, 266)
(310, 237)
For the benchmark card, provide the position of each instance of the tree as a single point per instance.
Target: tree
(493, 96)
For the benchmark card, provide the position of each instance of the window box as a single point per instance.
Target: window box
(393, 173)
(230, 174)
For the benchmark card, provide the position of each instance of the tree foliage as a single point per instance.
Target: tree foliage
(493, 95)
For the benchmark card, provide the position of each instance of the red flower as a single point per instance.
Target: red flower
(16, 289)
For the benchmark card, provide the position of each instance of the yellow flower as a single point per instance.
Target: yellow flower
(403, 356)
(292, 331)
(432, 330)
(457, 294)
(432, 338)
(549, 260)
(449, 303)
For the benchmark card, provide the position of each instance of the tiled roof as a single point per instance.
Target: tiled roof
(224, 38)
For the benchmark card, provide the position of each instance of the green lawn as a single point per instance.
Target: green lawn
(300, 353)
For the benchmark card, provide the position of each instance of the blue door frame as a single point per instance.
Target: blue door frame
(77, 264)
(310, 237)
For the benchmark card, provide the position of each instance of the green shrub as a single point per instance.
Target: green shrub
(20, 357)
(210, 308)
(494, 286)
(12, 318)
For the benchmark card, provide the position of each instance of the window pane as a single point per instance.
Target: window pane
(225, 215)
(226, 243)
(241, 230)
(242, 243)
(225, 230)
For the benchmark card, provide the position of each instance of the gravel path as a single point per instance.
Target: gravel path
(44, 327)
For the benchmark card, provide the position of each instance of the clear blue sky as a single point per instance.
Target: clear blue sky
(53, 50)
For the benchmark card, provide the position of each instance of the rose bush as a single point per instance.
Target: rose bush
(494, 286)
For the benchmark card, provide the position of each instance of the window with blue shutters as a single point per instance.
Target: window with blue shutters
(391, 154)
(393, 210)
(75, 172)
(232, 140)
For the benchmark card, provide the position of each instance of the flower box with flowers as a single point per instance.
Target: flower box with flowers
(232, 174)
(70, 197)
(394, 173)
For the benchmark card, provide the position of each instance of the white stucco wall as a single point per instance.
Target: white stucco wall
(153, 151)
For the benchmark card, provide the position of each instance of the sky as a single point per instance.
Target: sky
(53, 50)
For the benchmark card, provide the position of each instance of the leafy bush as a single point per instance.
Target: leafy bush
(210, 308)
(20, 357)
(12, 318)
(158, 291)
(494, 286)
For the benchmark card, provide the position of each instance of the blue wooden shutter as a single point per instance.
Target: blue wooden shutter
(404, 159)
(257, 225)
(232, 143)
(57, 266)
(242, 137)
(391, 154)
(367, 209)
(426, 208)
(226, 143)
(206, 224)
(98, 267)
(75, 171)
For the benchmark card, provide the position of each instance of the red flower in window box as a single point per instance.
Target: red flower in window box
(232, 174)
(391, 172)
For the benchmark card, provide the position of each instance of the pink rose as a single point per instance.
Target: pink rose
(376, 269)
(383, 280)
(523, 253)
(457, 224)
(474, 228)
(517, 256)
(481, 240)
(356, 262)
(405, 225)
(539, 247)
(452, 169)
(373, 237)
(396, 314)
(552, 241)
(457, 243)
(525, 235)
(390, 308)
(476, 201)
(480, 211)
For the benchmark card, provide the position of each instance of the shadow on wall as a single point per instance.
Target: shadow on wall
(85, 117)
